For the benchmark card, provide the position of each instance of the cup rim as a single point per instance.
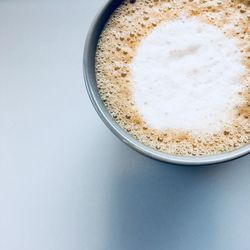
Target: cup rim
(91, 86)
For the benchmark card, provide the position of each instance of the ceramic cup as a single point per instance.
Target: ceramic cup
(90, 80)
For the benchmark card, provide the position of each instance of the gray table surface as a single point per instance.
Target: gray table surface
(66, 183)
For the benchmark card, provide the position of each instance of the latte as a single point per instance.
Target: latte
(176, 74)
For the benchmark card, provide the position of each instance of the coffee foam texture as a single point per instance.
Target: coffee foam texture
(186, 75)
(127, 28)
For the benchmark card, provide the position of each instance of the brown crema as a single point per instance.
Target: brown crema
(133, 21)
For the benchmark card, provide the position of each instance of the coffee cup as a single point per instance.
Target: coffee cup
(91, 85)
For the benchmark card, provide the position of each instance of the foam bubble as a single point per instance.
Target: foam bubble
(186, 75)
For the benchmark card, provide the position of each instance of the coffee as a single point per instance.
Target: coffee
(176, 74)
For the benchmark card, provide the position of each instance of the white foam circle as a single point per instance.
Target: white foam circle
(186, 75)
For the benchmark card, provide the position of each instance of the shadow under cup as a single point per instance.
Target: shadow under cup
(91, 85)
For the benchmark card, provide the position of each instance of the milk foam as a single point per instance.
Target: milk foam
(186, 75)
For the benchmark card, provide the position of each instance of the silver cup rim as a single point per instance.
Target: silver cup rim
(91, 86)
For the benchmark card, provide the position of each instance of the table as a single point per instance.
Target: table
(66, 183)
